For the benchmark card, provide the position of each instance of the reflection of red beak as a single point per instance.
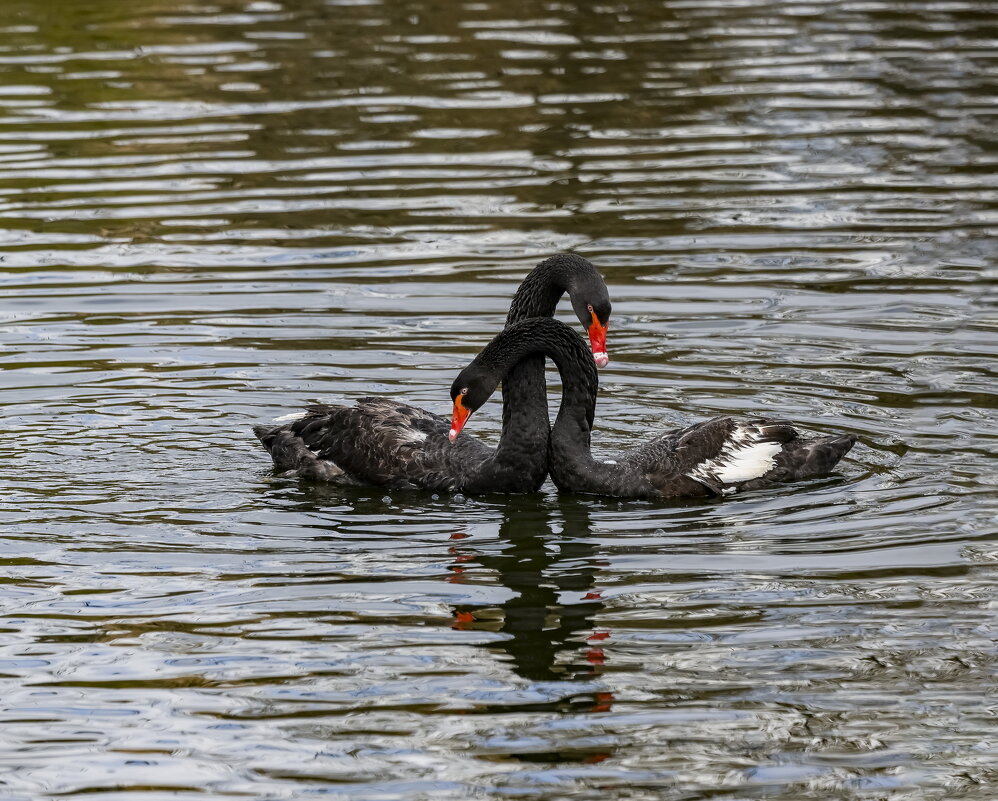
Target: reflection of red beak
(597, 340)
(459, 418)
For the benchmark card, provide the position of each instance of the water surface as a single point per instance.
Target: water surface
(213, 214)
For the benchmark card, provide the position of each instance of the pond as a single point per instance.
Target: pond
(213, 214)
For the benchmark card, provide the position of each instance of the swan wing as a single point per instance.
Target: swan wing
(385, 442)
(728, 453)
(719, 454)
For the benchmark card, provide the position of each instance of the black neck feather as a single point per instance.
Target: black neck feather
(571, 463)
(543, 287)
(525, 408)
(542, 336)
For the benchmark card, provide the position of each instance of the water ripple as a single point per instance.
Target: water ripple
(215, 214)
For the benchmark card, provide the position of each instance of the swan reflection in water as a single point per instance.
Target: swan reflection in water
(548, 562)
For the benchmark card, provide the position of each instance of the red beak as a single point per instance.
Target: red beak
(597, 340)
(458, 419)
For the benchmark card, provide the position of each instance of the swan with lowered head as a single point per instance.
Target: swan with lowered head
(713, 458)
(383, 442)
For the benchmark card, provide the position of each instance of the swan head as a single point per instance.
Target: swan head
(470, 389)
(592, 306)
(571, 273)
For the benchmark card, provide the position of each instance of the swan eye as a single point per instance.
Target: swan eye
(590, 307)
(464, 391)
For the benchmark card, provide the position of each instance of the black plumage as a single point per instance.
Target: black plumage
(387, 443)
(713, 458)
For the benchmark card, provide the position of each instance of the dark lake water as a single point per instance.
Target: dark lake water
(213, 213)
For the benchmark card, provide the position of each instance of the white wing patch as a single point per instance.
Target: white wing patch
(287, 418)
(742, 458)
(412, 435)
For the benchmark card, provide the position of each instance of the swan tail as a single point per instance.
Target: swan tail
(265, 434)
(286, 448)
(819, 456)
(291, 454)
(731, 455)
(804, 458)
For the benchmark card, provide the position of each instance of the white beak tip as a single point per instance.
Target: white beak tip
(601, 359)
(453, 435)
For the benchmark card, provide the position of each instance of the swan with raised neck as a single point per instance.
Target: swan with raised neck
(713, 458)
(385, 442)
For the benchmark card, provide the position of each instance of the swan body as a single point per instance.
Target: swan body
(717, 457)
(384, 442)
(377, 441)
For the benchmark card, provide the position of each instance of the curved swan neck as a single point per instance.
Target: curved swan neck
(542, 336)
(540, 291)
(524, 393)
(571, 464)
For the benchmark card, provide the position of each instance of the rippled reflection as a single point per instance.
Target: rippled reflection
(215, 213)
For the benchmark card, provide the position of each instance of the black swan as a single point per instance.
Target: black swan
(713, 458)
(388, 443)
